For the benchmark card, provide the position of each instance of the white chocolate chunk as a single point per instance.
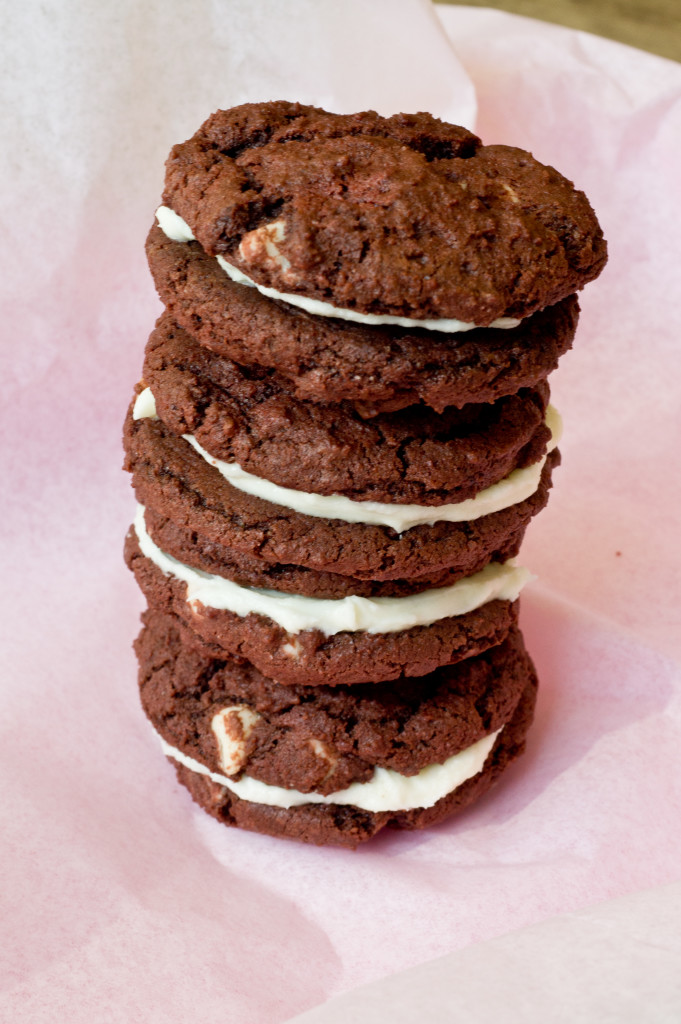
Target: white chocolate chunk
(178, 231)
(512, 193)
(264, 240)
(231, 727)
(172, 225)
(292, 649)
(320, 750)
(145, 406)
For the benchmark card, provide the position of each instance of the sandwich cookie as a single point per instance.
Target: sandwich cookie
(187, 546)
(178, 484)
(312, 641)
(332, 765)
(403, 217)
(377, 368)
(414, 456)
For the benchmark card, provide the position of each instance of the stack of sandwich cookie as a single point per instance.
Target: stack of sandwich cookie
(342, 432)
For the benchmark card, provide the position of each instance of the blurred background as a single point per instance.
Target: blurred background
(653, 25)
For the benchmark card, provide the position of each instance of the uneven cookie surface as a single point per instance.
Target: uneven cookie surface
(172, 480)
(346, 825)
(403, 216)
(411, 456)
(375, 368)
(221, 560)
(323, 739)
(315, 658)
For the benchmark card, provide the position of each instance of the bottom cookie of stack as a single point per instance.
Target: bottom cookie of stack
(333, 765)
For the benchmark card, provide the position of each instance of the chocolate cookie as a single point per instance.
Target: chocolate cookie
(414, 456)
(312, 657)
(175, 483)
(403, 216)
(220, 560)
(326, 360)
(228, 719)
(341, 435)
(321, 739)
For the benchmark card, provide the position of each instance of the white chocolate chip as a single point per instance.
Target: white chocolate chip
(231, 727)
(145, 406)
(292, 649)
(512, 193)
(261, 244)
(172, 225)
(320, 749)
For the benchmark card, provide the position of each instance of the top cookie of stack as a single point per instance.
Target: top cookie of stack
(403, 221)
(343, 427)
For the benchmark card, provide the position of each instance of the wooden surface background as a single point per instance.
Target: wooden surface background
(653, 25)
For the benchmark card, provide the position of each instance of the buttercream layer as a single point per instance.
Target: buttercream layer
(373, 368)
(380, 747)
(295, 613)
(311, 657)
(179, 486)
(512, 489)
(414, 456)
(385, 791)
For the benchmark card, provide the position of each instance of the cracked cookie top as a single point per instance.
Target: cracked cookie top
(404, 216)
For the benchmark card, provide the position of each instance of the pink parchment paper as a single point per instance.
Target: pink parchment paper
(121, 902)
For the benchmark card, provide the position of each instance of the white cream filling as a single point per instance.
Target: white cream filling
(175, 228)
(387, 790)
(295, 613)
(514, 488)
